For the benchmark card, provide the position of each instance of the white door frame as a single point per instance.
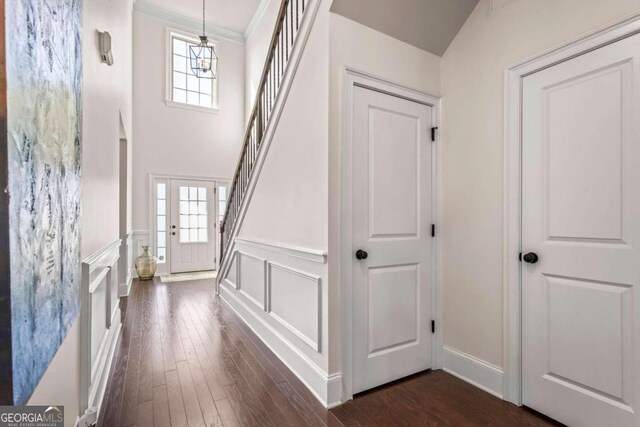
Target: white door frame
(512, 278)
(350, 79)
(153, 218)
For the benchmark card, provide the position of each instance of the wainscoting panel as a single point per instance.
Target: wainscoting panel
(100, 322)
(251, 280)
(280, 292)
(289, 289)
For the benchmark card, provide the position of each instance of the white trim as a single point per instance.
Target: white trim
(512, 387)
(314, 255)
(125, 275)
(477, 372)
(350, 79)
(326, 388)
(256, 18)
(306, 24)
(147, 9)
(98, 270)
(174, 104)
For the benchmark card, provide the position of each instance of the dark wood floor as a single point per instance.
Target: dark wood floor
(185, 359)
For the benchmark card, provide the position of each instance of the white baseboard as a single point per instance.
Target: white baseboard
(125, 288)
(326, 388)
(477, 372)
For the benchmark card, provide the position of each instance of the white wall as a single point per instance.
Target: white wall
(256, 52)
(178, 141)
(472, 153)
(106, 98)
(363, 49)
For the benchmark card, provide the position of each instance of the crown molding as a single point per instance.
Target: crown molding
(186, 22)
(256, 18)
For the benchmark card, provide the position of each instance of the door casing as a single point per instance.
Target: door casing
(350, 79)
(512, 244)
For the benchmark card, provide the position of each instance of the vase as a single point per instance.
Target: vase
(146, 264)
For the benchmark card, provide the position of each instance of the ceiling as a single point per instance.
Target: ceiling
(427, 24)
(233, 15)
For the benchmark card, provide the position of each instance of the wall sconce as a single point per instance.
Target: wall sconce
(106, 55)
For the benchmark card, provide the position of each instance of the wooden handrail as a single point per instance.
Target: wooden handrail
(282, 40)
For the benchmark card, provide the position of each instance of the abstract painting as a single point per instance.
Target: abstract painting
(44, 84)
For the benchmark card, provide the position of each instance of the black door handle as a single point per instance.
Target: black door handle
(173, 233)
(361, 255)
(530, 258)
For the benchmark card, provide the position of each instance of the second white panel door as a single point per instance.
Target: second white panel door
(192, 226)
(392, 216)
(581, 238)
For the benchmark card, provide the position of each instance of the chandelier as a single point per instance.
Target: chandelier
(203, 58)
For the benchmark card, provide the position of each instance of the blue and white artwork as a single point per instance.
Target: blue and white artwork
(44, 82)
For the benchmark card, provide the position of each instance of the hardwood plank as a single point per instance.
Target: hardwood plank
(207, 406)
(130, 397)
(191, 404)
(113, 399)
(176, 405)
(171, 346)
(156, 343)
(145, 414)
(299, 404)
(246, 408)
(212, 374)
(161, 416)
(145, 376)
(227, 415)
(268, 357)
(254, 373)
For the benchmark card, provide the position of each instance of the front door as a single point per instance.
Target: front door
(392, 216)
(192, 226)
(581, 238)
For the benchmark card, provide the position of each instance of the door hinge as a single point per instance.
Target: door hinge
(433, 326)
(433, 230)
(520, 257)
(433, 133)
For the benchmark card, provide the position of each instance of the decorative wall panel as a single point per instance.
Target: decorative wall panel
(44, 82)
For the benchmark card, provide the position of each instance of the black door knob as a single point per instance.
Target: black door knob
(360, 254)
(530, 258)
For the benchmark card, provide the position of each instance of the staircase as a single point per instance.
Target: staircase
(284, 39)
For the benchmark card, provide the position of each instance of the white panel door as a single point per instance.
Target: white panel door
(581, 217)
(392, 224)
(192, 227)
